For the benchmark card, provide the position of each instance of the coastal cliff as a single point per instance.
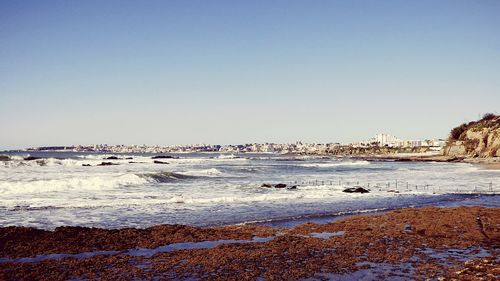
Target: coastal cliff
(476, 139)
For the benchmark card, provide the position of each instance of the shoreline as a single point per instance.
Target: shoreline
(484, 163)
(491, 163)
(349, 247)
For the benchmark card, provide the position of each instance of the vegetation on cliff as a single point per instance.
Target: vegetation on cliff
(479, 138)
(374, 150)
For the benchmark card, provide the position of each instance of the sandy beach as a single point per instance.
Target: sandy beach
(412, 244)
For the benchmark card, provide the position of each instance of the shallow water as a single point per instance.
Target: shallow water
(211, 189)
(142, 252)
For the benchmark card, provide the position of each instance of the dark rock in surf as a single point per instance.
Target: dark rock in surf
(107, 164)
(279, 185)
(164, 157)
(31, 158)
(160, 162)
(292, 187)
(4, 158)
(356, 189)
(111, 158)
(86, 165)
(455, 159)
(117, 158)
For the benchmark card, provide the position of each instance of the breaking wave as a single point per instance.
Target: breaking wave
(226, 156)
(17, 161)
(204, 172)
(69, 184)
(163, 177)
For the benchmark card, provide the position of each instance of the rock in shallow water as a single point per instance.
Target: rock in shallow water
(356, 189)
(31, 158)
(111, 158)
(278, 185)
(107, 164)
(4, 158)
(164, 157)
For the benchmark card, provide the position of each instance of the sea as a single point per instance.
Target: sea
(208, 189)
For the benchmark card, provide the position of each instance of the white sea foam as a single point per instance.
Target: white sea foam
(69, 184)
(17, 161)
(18, 157)
(204, 172)
(227, 156)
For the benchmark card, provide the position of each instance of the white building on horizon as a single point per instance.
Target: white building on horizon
(386, 140)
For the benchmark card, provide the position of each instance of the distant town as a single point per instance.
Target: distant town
(378, 141)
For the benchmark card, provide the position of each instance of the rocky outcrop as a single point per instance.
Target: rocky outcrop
(279, 185)
(117, 158)
(164, 157)
(107, 164)
(475, 139)
(356, 189)
(31, 158)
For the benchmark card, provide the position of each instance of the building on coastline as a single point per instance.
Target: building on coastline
(379, 140)
(387, 140)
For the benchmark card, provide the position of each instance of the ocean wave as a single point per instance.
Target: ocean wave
(69, 184)
(273, 196)
(228, 156)
(57, 162)
(8, 158)
(204, 172)
(19, 157)
(51, 161)
(250, 169)
(165, 177)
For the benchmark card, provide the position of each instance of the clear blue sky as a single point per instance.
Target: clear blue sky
(175, 72)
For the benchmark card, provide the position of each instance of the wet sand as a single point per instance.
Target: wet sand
(410, 244)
